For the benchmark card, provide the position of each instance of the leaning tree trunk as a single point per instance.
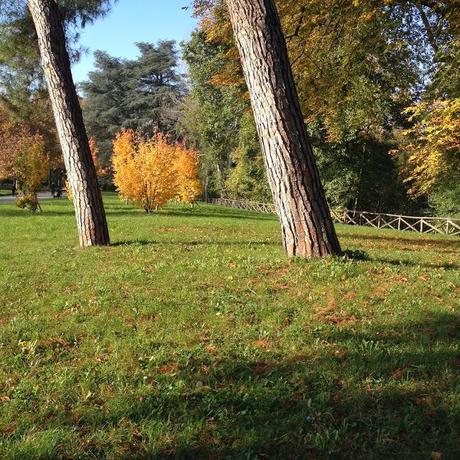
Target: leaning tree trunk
(306, 224)
(89, 209)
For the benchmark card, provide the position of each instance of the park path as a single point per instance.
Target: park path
(11, 198)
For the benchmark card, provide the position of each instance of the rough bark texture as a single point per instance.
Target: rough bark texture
(89, 209)
(306, 224)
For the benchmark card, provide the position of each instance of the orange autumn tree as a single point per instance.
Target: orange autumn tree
(94, 149)
(24, 159)
(151, 172)
(189, 186)
(126, 176)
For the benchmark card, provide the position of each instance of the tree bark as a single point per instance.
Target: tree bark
(81, 172)
(306, 224)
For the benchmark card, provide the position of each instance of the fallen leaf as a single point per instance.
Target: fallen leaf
(397, 374)
(261, 367)
(262, 343)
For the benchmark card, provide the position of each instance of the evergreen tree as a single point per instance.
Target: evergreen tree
(140, 94)
(81, 172)
(104, 105)
(154, 87)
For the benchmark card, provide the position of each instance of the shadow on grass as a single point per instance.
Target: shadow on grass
(400, 239)
(194, 243)
(379, 393)
(409, 263)
(355, 255)
(197, 214)
(358, 255)
(122, 212)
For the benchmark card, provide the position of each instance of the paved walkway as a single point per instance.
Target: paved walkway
(41, 196)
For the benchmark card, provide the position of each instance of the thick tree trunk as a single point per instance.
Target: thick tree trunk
(306, 224)
(89, 209)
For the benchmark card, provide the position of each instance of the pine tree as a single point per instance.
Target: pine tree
(306, 223)
(89, 209)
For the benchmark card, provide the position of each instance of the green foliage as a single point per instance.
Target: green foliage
(361, 175)
(19, 59)
(140, 94)
(247, 179)
(358, 65)
(445, 199)
(198, 339)
(212, 114)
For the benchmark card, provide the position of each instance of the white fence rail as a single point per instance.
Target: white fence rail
(441, 225)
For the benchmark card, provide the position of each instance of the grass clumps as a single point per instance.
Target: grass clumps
(193, 336)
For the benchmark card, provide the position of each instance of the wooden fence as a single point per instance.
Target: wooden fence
(441, 225)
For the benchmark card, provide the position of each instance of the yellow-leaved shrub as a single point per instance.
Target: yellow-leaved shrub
(151, 172)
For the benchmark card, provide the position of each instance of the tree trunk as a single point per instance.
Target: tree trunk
(81, 172)
(306, 224)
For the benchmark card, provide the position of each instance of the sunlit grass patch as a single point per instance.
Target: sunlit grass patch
(194, 336)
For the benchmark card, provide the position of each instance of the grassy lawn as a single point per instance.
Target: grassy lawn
(193, 336)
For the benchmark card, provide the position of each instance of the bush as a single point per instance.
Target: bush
(28, 201)
(151, 172)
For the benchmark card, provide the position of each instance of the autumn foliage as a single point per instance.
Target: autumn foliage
(94, 149)
(431, 146)
(24, 159)
(151, 172)
(187, 167)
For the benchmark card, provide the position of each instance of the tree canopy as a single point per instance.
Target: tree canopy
(22, 87)
(358, 67)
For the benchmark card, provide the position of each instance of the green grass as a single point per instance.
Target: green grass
(193, 336)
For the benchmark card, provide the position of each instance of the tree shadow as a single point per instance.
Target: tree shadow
(112, 211)
(23, 213)
(409, 263)
(192, 215)
(212, 242)
(363, 256)
(417, 243)
(377, 393)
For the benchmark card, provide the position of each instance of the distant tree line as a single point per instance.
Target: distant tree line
(378, 85)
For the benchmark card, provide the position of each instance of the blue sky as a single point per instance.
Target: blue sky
(133, 21)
